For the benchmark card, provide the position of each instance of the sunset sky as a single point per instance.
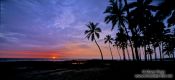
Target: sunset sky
(48, 28)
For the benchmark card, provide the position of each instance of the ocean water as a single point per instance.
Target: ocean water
(28, 59)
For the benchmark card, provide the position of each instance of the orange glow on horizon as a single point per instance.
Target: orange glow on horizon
(53, 57)
(71, 50)
(29, 54)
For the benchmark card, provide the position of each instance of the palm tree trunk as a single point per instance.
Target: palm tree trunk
(155, 54)
(136, 52)
(169, 54)
(173, 55)
(126, 4)
(118, 52)
(99, 49)
(150, 54)
(145, 52)
(132, 50)
(140, 53)
(129, 42)
(128, 54)
(162, 50)
(111, 51)
(160, 53)
(124, 54)
(150, 57)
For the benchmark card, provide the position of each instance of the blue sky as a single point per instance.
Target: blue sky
(47, 28)
(47, 25)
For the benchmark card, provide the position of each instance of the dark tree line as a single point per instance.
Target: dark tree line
(147, 30)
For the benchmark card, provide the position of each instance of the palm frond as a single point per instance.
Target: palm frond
(152, 8)
(88, 36)
(108, 19)
(108, 9)
(171, 20)
(98, 30)
(86, 31)
(147, 2)
(105, 42)
(97, 34)
(92, 37)
(132, 5)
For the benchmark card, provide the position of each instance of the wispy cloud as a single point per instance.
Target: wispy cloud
(50, 25)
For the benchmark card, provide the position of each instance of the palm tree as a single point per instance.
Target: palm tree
(116, 15)
(109, 40)
(149, 51)
(169, 12)
(169, 46)
(121, 39)
(117, 46)
(93, 34)
(147, 30)
(119, 53)
(128, 18)
(139, 18)
(167, 15)
(128, 53)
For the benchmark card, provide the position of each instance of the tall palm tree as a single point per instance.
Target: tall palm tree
(116, 15)
(142, 24)
(169, 12)
(139, 17)
(167, 15)
(108, 39)
(117, 46)
(93, 34)
(128, 18)
(121, 39)
(169, 46)
(128, 53)
(118, 53)
(149, 51)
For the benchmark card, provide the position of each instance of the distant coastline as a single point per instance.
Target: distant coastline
(62, 59)
(28, 59)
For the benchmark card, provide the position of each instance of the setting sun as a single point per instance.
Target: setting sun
(53, 57)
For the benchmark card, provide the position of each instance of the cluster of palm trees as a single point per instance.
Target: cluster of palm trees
(143, 29)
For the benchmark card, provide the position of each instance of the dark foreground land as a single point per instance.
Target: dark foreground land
(85, 70)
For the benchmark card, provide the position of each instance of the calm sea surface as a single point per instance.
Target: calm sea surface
(28, 59)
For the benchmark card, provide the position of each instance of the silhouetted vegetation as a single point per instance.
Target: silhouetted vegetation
(142, 27)
(109, 40)
(145, 31)
(93, 34)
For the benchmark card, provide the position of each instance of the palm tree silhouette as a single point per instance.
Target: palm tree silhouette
(108, 39)
(116, 44)
(139, 17)
(129, 25)
(149, 51)
(167, 15)
(121, 39)
(144, 30)
(93, 34)
(169, 46)
(169, 12)
(116, 15)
